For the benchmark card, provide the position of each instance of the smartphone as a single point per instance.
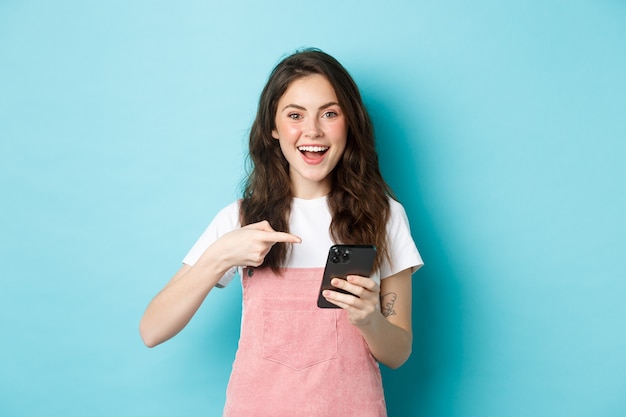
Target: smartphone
(344, 260)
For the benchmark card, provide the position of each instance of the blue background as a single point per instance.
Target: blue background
(501, 127)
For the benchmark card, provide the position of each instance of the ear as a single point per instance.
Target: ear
(274, 133)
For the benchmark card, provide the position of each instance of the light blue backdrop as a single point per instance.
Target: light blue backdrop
(502, 128)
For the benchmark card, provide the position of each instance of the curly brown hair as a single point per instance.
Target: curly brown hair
(359, 199)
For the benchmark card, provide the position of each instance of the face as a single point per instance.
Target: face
(311, 129)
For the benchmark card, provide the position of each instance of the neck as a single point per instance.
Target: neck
(310, 191)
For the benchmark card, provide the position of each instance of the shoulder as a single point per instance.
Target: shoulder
(397, 214)
(395, 206)
(402, 248)
(226, 220)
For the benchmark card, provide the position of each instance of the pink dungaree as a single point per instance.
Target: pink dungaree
(295, 359)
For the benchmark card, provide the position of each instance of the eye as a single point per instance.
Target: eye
(294, 116)
(330, 114)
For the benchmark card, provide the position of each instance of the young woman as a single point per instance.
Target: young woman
(314, 181)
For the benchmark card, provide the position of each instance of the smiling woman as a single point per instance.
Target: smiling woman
(499, 125)
(315, 182)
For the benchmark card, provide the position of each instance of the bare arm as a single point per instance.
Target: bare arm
(386, 327)
(174, 306)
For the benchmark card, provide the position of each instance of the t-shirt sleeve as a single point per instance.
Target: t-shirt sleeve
(402, 249)
(225, 221)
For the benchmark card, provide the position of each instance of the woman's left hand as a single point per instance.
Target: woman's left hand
(362, 304)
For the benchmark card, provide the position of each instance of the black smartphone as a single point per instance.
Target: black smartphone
(344, 260)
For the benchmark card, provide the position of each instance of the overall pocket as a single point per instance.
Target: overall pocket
(297, 334)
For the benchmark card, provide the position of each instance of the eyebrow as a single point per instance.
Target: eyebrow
(296, 106)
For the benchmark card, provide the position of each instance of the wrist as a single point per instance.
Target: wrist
(216, 262)
(373, 323)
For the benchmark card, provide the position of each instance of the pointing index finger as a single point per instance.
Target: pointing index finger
(281, 237)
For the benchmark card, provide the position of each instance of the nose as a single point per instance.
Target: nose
(312, 129)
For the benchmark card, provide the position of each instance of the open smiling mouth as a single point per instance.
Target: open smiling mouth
(318, 150)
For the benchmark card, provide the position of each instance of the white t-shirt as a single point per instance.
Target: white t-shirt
(310, 220)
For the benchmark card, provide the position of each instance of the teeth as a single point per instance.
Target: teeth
(312, 148)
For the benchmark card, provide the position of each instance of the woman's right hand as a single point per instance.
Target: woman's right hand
(249, 245)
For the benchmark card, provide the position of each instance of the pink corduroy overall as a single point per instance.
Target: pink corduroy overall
(295, 359)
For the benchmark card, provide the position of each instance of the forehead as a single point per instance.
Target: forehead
(309, 88)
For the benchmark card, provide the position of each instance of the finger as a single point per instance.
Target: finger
(280, 237)
(338, 299)
(273, 236)
(342, 284)
(365, 282)
(356, 287)
(347, 302)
